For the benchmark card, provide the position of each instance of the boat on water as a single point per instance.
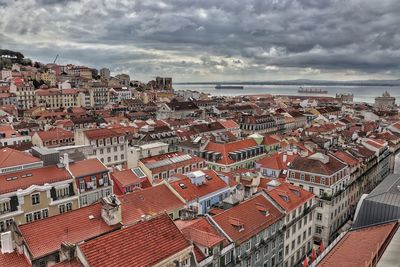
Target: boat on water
(311, 91)
(229, 87)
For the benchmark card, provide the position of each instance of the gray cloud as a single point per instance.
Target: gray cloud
(203, 40)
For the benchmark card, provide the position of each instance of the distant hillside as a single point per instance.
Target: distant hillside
(9, 57)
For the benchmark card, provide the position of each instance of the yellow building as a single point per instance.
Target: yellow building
(49, 78)
(34, 194)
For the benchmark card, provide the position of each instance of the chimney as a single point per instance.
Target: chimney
(284, 158)
(66, 161)
(111, 210)
(7, 243)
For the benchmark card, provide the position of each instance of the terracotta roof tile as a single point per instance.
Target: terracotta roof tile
(149, 201)
(45, 236)
(359, 247)
(87, 167)
(13, 260)
(23, 179)
(55, 134)
(247, 215)
(142, 244)
(125, 177)
(192, 192)
(11, 157)
(288, 196)
(224, 149)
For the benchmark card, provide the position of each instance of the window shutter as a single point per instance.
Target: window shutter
(71, 189)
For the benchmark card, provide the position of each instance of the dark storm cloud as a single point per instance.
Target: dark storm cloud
(198, 39)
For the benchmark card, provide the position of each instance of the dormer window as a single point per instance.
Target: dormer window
(261, 208)
(285, 198)
(238, 224)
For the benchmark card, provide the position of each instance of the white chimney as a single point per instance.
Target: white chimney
(6, 243)
(66, 161)
(284, 158)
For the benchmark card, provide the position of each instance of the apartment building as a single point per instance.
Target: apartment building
(327, 178)
(55, 137)
(233, 155)
(25, 92)
(262, 124)
(255, 228)
(201, 190)
(34, 194)
(164, 166)
(109, 145)
(298, 206)
(92, 180)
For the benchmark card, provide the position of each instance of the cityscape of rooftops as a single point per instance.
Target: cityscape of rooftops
(199, 133)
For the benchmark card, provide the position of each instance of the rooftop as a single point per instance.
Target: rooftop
(45, 236)
(144, 244)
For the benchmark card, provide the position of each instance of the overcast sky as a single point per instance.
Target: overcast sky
(211, 40)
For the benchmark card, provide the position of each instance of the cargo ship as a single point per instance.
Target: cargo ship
(229, 87)
(311, 91)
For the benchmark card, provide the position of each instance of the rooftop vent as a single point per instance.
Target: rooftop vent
(91, 217)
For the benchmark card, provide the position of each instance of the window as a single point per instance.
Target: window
(82, 185)
(186, 262)
(322, 180)
(228, 257)
(247, 245)
(115, 149)
(287, 249)
(257, 256)
(45, 213)
(4, 207)
(108, 159)
(28, 217)
(319, 216)
(115, 158)
(122, 148)
(266, 249)
(61, 208)
(122, 156)
(298, 240)
(312, 178)
(311, 189)
(108, 150)
(304, 235)
(248, 262)
(84, 200)
(302, 176)
(37, 215)
(35, 199)
(318, 229)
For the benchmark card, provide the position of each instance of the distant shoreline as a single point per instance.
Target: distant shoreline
(308, 83)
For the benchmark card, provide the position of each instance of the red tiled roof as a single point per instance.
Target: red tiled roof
(359, 247)
(203, 233)
(316, 166)
(55, 134)
(13, 260)
(11, 157)
(247, 215)
(275, 161)
(149, 201)
(229, 124)
(143, 244)
(87, 167)
(45, 236)
(191, 192)
(224, 149)
(346, 157)
(8, 131)
(102, 133)
(125, 177)
(11, 182)
(288, 196)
